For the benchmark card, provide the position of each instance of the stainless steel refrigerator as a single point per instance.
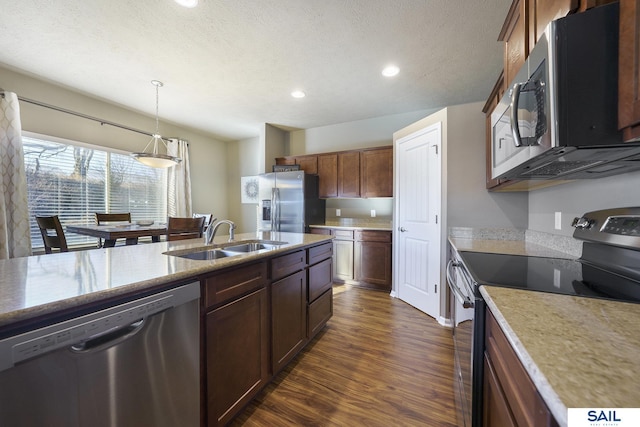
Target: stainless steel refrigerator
(289, 202)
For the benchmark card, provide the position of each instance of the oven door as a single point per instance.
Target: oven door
(462, 319)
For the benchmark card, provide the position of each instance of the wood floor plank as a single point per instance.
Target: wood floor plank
(378, 362)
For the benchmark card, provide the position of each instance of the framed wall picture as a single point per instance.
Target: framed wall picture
(249, 189)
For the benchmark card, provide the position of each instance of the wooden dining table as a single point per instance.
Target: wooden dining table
(110, 232)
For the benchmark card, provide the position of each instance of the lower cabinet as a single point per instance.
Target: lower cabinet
(510, 397)
(256, 318)
(288, 318)
(361, 257)
(237, 355)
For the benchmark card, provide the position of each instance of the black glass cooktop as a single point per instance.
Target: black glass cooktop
(562, 276)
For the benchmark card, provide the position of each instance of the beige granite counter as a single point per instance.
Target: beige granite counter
(510, 247)
(41, 285)
(357, 224)
(579, 352)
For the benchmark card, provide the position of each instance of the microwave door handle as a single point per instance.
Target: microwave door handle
(515, 98)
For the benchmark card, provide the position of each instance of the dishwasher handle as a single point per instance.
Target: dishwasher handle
(464, 300)
(109, 338)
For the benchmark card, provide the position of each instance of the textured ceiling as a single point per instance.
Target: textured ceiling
(230, 65)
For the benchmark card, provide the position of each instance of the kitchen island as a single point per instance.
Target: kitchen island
(257, 309)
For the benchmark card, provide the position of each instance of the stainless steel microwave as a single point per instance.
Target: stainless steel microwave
(558, 118)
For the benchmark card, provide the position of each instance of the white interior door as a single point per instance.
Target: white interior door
(417, 220)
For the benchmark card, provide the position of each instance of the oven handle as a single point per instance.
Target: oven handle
(464, 300)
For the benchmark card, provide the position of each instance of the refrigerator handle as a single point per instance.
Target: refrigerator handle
(277, 207)
(273, 208)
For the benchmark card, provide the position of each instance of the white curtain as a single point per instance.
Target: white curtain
(179, 180)
(15, 235)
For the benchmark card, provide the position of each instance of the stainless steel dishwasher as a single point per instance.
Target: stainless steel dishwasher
(133, 364)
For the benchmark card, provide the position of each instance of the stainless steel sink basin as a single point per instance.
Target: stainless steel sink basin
(251, 247)
(207, 255)
(229, 250)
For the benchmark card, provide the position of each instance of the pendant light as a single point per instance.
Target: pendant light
(154, 158)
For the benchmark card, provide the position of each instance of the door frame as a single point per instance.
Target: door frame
(422, 126)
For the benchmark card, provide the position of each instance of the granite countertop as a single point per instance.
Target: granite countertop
(579, 352)
(510, 247)
(36, 286)
(357, 224)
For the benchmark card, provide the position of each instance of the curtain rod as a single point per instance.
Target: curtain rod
(84, 116)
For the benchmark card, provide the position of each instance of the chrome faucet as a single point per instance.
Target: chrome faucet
(211, 230)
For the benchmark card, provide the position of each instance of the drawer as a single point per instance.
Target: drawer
(525, 402)
(373, 236)
(320, 311)
(288, 264)
(324, 231)
(320, 279)
(343, 234)
(232, 284)
(321, 252)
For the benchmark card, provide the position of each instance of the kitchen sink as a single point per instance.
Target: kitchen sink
(207, 255)
(252, 246)
(228, 250)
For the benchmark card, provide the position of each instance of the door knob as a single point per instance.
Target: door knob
(402, 229)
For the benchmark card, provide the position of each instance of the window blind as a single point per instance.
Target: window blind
(74, 181)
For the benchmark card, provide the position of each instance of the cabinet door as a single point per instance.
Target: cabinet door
(495, 411)
(515, 37)
(320, 278)
(542, 12)
(237, 357)
(343, 265)
(309, 164)
(377, 172)
(328, 175)
(349, 174)
(629, 70)
(320, 311)
(289, 318)
(373, 264)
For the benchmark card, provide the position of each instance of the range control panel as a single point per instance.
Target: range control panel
(624, 225)
(617, 227)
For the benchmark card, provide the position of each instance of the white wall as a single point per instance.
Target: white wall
(244, 159)
(577, 197)
(208, 155)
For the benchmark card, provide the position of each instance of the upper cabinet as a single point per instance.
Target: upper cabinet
(629, 70)
(349, 174)
(376, 172)
(516, 39)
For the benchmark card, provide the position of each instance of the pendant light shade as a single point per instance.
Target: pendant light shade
(153, 158)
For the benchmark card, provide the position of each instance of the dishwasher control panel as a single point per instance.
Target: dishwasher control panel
(81, 329)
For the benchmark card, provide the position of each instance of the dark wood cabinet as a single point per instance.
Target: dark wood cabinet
(376, 172)
(349, 174)
(328, 175)
(361, 257)
(237, 355)
(510, 397)
(629, 70)
(309, 163)
(320, 288)
(373, 259)
(288, 318)
(516, 40)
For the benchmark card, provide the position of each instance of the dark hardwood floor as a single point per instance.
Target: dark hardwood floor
(378, 362)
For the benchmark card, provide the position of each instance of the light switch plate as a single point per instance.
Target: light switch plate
(373, 213)
(558, 220)
(338, 213)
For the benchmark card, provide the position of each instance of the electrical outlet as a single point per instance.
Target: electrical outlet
(373, 213)
(338, 213)
(558, 220)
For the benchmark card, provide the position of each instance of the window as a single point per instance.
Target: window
(75, 180)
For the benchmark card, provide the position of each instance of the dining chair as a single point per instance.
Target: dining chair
(184, 228)
(52, 233)
(103, 218)
(207, 219)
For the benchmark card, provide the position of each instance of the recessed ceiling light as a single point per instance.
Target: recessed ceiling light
(187, 3)
(298, 94)
(390, 71)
